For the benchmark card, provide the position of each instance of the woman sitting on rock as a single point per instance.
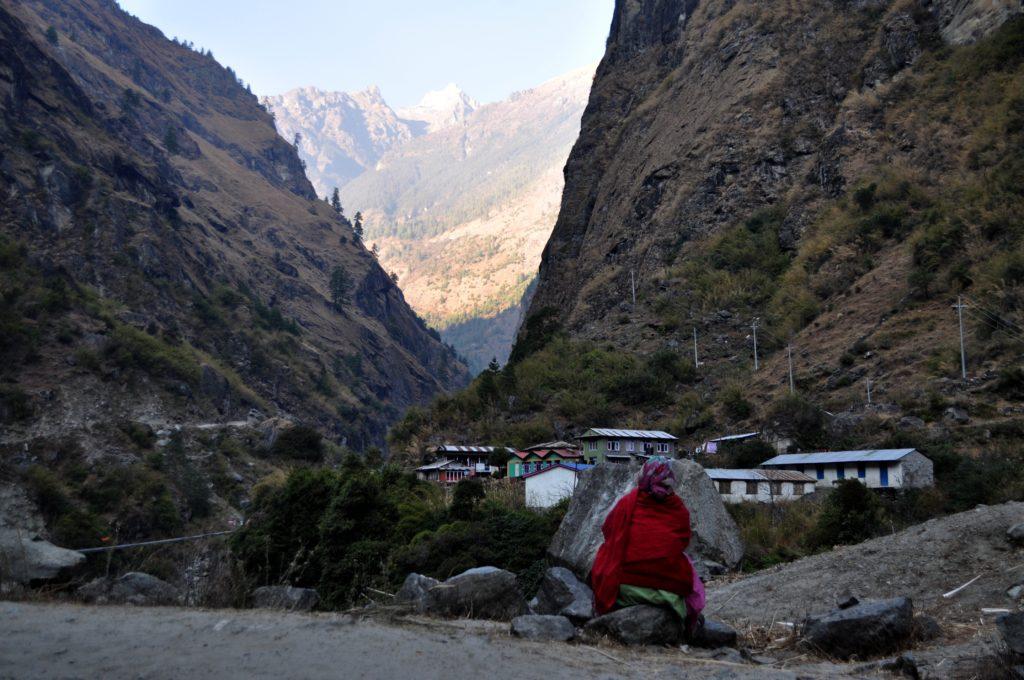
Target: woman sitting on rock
(642, 559)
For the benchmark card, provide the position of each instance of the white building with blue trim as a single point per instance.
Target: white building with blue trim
(876, 468)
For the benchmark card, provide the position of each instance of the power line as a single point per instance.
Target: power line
(995, 326)
(960, 319)
(162, 541)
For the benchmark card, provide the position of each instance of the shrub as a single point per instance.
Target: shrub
(299, 442)
(794, 416)
(746, 454)
(851, 514)
(15, 405)
(140, 434)
(468, 494)
(735, 404)
(47, 491)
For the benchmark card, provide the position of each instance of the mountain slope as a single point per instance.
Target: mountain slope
(190, 259)
(462, 213)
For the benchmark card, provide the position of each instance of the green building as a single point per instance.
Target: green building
(601, 445)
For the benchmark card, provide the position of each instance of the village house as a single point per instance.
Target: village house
(619, 446)
(453, 462)
(878, 469)
(549, 485)
(760, 486)
(540, 456)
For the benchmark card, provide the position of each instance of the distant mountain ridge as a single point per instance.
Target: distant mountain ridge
(459, 197)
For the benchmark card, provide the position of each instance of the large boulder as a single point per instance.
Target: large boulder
(639, 625)
(563, 594)
(715, 536)
(484, 592)
(1015, 534)
(1011, 626)
(133, 588)
(414, 591)
(26, 558)
(288, 598)
(714, 635)
(865, 629)
(543, 628)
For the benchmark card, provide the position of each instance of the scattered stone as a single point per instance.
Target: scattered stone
(869, 628)
(714, 634)
(575, 544)
(904, 664)
(728, 655)
(1015, 534)
(1011, 626)
(639, 625)
(414, 591)
(484, 592)
(1015, 592)
(543, 627)
(285, 597)
(708, 569)
(955, 414)
(134, 588)
(846, 601)
(564, 594)
(910, 423)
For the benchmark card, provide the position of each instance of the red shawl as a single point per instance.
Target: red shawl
(644, 540)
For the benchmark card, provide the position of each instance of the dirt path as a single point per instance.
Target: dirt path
(75, 641)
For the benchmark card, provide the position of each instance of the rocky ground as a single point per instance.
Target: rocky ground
(68, 641)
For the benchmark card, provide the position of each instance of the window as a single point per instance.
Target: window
(662, 448)
(592, 445)
(840, 471)
(751, 488)
(862, 471)
(798, 488)
(820, 471)
(612, 445)
(630, 445)
(776, 488)
(724, 486)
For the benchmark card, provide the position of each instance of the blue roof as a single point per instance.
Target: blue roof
(826, 457)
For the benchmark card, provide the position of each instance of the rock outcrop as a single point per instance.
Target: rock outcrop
(865, 629)
(26, 557)
(563, 594)
(639, 625)
(134, 588)
(483, 593)
(414, 591)
(543, 627)
(715, 535)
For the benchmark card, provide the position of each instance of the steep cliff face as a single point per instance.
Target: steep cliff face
(186, 270)
(725, 143)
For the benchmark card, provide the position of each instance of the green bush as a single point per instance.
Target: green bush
(852, 513)
(299, 442)
(796, 417)
(735, 404)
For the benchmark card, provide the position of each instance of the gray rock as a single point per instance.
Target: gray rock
(575, 544)
(639, 625)
(1015, 592)
(926, 628)
(707, 569)
(543, 627)
(484, 592)
(134, 588)
(1011, 627)
(955, 414)
(414, 591)
(714, 634)
(871, 627)
(26, 558)
(285, 597)
(562, 593)
(1015, 534)
(910, 423)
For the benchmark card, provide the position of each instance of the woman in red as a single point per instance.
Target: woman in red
(642, 559)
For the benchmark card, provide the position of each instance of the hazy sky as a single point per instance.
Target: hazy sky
(489, 47)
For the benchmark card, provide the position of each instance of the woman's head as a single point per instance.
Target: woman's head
(657, 477)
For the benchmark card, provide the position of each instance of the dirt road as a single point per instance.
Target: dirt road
(75, 641)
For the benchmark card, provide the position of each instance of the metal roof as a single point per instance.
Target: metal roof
(550, 445)
(626, 434)
(572, 467)
(730, 437)
(544, 453)
(457, 448)
(440, 464)
(825, 457)
(759, 475)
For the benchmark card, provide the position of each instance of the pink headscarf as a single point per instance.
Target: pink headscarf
(657, 477)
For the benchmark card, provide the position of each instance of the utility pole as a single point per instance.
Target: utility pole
(869, 391)
(959, 306)
(696, 360)
(632, 286)
(754, 326)
(789, 352)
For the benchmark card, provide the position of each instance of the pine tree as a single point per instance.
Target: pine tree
(51, 36)
(375, 250)
(357, 227)
(494, 366)
(336, 202)
(341, 284)
(297, 140)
